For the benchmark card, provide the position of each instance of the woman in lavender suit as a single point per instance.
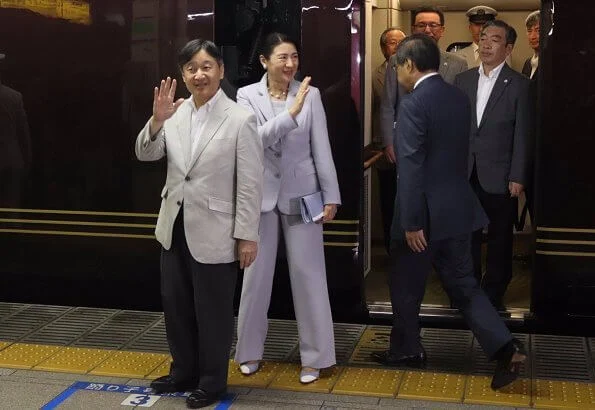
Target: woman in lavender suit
(298, 162)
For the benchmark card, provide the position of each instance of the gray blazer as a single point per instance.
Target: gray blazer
(450, 66)
(297, 153)
(499, 145)
(220, 185)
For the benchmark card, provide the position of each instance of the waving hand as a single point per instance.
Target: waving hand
(163, 103)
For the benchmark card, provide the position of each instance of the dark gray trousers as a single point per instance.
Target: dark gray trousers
(198, 306)
(452, 261)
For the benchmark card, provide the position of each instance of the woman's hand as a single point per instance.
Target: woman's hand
(300, 97)
(163, 103)
(330, 210)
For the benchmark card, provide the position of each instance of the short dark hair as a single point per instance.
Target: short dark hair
(273, 40)
(421, 50)
(194, 46)
(385, 33)
(426, 9)
(510, 31)
(532, 19)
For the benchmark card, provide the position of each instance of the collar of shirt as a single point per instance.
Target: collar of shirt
(535, 59)
(493, 74)
(206, 106)
(418, 82)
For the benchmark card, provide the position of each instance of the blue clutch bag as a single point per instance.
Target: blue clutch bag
(312, 207)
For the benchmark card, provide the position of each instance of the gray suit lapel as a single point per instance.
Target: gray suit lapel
(184, 129)
(501, 83)
(264, 104)
(444, 65)
(473, 98)
(215, 118)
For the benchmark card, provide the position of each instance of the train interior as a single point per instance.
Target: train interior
(381, 15)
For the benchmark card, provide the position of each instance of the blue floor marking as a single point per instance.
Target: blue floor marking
(123, 388)
(59, 399)
(226, 402)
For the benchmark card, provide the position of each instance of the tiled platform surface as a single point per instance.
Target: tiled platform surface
(43, 349)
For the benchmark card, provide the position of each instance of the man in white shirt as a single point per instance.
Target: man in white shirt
(532, 24)
(208, 221)
(499, 150)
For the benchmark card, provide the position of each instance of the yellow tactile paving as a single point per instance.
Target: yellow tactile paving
(549, 394)
(478, 391)
(432, 386)
(25, 356)
(74, 360)
(4, 344)
(368, 382)
(376, 335)
(262, 378)
(373, 338)
(288, 379)
(130, 364)
(161, 370)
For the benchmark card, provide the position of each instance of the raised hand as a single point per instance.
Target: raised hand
(300, 97)
(163, 103)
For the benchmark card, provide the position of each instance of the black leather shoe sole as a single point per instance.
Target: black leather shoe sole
(417, 361)
(200, 398)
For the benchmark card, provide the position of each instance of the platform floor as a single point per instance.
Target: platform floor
(83, 358)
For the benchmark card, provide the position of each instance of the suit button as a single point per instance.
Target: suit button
(179, 203)
(187, 178)
(277, 175)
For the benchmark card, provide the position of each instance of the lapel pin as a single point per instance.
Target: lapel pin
(506, 81)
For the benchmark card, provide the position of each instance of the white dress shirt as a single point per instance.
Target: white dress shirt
(534, 64)
(484, 88)
(418, 82)
(199, 118)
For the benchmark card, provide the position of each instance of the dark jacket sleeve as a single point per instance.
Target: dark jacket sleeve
(521, 146)
(411, 149)
(388, 103)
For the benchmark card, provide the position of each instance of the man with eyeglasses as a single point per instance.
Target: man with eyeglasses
(389, 40)
(428, 20)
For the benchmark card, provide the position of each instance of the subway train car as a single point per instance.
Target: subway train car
(77, 210)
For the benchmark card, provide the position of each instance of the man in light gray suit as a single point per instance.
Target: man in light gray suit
(428, 20)
(499, 150)
(209, 217)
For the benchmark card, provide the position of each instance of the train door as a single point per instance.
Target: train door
(517, 299)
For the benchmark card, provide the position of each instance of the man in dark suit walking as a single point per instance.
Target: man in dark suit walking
(436, 212)
(499, 150)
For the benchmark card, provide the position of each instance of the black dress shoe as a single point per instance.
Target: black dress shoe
(200, 398)
(507, 371)
(167, 384)
(387, 358)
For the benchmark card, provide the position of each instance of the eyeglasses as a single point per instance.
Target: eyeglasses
(432, 26)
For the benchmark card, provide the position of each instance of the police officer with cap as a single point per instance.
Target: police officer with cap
(477, 15)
